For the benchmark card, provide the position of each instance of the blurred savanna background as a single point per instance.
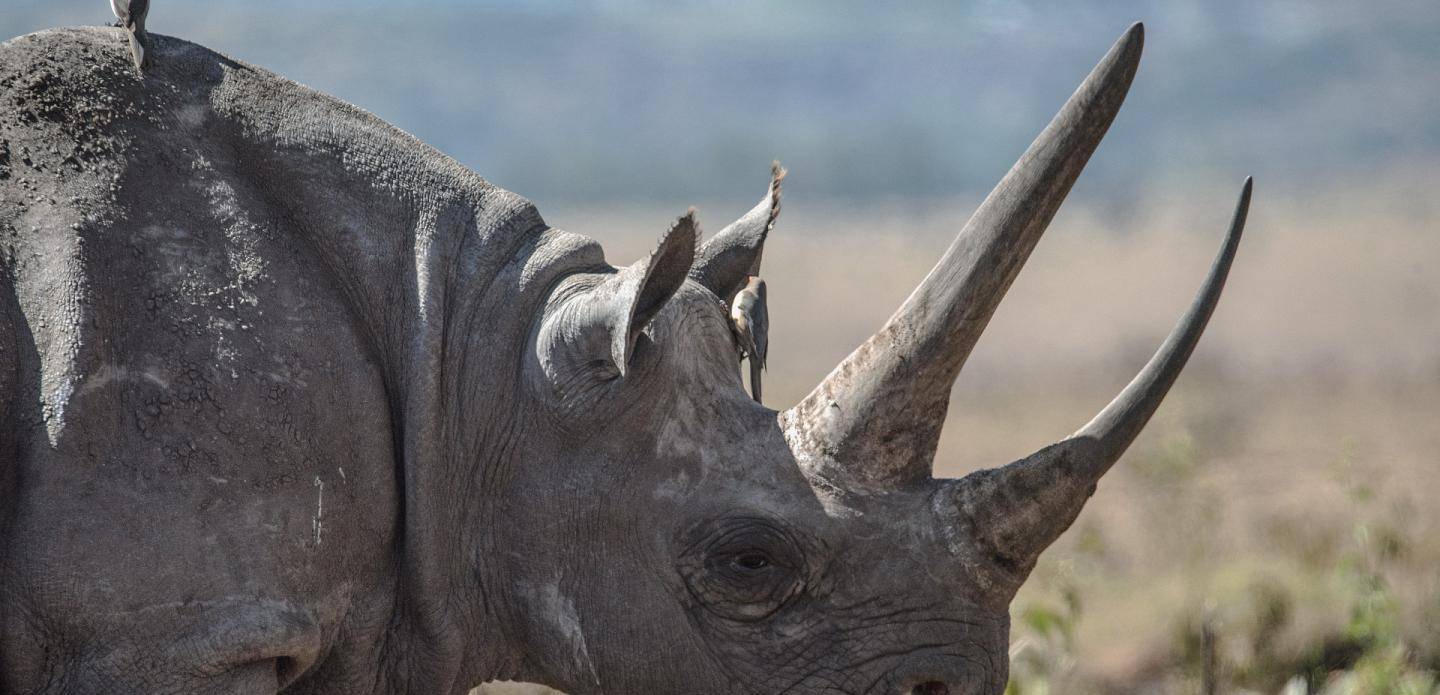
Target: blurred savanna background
(1276, 525)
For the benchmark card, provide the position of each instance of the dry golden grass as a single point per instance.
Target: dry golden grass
(1306, 428)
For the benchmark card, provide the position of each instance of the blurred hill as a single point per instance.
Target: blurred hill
(684, 103)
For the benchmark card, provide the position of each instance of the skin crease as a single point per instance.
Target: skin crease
(295, 403)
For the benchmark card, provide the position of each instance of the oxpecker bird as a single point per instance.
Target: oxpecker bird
(131, 14)
(751, 322)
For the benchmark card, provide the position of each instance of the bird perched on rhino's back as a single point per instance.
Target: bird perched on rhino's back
(131, 14)
(751, 321)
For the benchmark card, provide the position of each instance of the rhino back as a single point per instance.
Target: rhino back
(212, 278)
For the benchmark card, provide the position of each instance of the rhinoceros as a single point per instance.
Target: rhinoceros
(293, 402)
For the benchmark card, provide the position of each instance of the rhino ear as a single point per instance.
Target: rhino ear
(727, 261)
(643, 288)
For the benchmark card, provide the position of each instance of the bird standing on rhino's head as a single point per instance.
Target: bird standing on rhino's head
(131, 14)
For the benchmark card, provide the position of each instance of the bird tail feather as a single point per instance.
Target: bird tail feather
(137, 50)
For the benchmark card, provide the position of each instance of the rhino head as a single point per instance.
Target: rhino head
(678, 537)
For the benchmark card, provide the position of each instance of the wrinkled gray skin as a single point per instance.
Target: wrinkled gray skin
(293, 402)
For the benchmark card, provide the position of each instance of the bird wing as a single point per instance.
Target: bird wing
(760, 326)
(744, 336)
(121, 8)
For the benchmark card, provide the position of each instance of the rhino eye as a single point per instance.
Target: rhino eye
(745, 568)
(753, 562)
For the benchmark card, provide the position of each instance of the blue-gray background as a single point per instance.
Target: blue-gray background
(621, 102)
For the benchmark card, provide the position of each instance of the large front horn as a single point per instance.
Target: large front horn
(875, 421)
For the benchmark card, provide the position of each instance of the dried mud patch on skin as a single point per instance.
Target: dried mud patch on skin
(72, 113)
